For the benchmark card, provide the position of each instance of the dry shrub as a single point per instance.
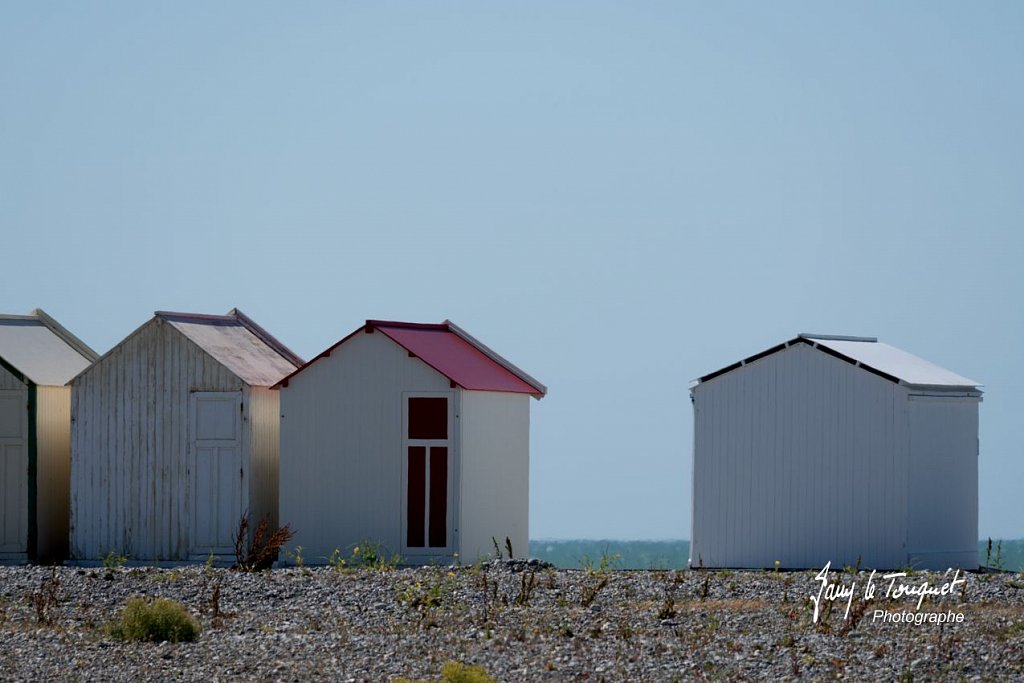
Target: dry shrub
(45, 599)
(260, 552)
(590, 591)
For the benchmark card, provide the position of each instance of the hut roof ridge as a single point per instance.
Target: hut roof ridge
(451, 351)
(894, 364)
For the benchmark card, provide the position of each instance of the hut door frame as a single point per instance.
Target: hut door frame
(213, 482)
(420, 458)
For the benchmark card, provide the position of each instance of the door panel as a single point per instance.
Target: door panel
(438, 497)
(428, 417)
(417, 498)
(218, 477)
(13, 414)
(215, 421)
(13, 473)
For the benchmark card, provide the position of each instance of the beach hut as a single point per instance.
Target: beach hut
(175, 437)
(415, 437)
(37, 357)
(835, 449)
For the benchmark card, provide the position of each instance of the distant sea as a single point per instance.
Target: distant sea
(574, 554)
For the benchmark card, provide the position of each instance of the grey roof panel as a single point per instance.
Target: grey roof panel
(37, 352)
(234, 346)
(905, 366)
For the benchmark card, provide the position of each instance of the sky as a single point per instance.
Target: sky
(618, 197)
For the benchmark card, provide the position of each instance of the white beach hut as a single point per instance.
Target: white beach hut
(412, 436)
(840, 449)
(37, 357)
(174, 437)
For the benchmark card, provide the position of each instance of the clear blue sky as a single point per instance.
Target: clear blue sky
(618, 197)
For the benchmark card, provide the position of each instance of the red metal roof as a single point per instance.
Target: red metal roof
(452, 352)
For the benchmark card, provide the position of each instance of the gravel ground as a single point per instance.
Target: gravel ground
(372, 625)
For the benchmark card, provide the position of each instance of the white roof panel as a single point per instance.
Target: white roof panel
(896, 362)
(37, 352)
(235, 347)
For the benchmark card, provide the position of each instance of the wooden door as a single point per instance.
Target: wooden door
(13, 474)
(218, 474)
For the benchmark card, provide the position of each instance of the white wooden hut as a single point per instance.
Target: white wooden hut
(842, 449)
(174, 437)
(412, 436)
(37, 357)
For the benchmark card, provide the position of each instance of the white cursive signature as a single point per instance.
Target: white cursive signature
(830, 591)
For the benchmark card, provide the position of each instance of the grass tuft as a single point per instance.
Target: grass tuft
(457, 672)
(156, 621)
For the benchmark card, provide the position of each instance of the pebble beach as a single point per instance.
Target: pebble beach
(520, 621)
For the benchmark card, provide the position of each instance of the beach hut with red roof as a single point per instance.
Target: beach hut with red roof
(174, 437)
(412, 436)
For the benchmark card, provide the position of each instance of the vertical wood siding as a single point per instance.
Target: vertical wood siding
(53, 453)
(341, 445)
(802, 458)
(495, 486)
(129, 441)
